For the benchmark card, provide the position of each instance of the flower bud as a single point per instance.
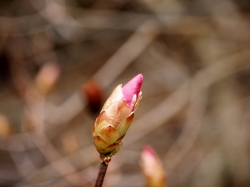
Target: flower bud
(116, 116)
(152, 168)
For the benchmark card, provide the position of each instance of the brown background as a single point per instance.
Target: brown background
(195, 59)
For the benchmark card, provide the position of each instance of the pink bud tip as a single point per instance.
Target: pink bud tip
(133, 87)
(149, 150)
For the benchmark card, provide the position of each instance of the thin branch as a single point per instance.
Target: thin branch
(102, 172)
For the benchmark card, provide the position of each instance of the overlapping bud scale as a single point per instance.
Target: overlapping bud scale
(116, 116)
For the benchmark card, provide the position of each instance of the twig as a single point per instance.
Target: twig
(102, 172)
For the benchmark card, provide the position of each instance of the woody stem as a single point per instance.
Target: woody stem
(102, 171)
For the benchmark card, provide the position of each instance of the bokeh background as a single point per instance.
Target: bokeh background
(60, 60)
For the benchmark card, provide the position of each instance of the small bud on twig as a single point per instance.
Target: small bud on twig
(152, 168)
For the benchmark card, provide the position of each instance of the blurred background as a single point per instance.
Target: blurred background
(60, 60)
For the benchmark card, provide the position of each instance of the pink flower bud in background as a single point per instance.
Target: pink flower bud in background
(152, 168)
(116, 116)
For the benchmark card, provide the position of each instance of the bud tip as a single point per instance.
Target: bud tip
(133, 87)
(149, 151)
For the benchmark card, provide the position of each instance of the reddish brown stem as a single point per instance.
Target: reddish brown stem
(102, 171)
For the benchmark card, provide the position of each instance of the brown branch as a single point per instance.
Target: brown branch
(102, 171)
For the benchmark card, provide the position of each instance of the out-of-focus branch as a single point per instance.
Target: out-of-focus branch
(127, 53)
